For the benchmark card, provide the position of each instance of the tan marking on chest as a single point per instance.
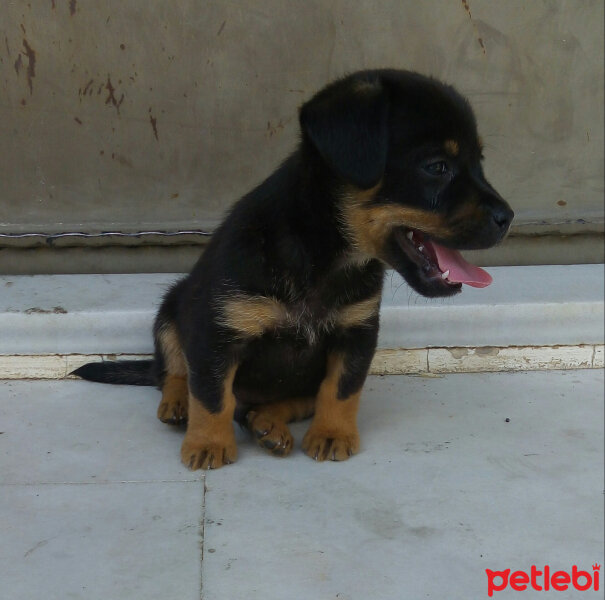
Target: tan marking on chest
(251, 316)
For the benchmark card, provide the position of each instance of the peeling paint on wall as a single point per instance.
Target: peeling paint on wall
(154, 124)
(111, 98)
(30, 56)
(467, 8)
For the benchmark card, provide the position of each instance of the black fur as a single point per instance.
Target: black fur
(357, 123)
(128, 372)
(288, 240)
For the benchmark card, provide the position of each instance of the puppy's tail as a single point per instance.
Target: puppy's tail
(128, 372)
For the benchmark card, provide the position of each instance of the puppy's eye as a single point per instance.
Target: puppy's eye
(437, 168)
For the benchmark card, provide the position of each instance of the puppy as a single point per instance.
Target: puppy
(278, 320)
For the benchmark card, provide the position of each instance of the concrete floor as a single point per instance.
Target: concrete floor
(95, 503)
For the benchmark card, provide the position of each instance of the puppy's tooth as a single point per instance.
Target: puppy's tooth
(409, 235)
(420, 248)
(445, 275)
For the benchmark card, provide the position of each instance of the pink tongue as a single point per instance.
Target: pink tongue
(460, 270)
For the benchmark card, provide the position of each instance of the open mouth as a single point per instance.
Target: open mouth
(438, 264)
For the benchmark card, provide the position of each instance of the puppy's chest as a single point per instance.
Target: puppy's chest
(306, 320)
(309, 315)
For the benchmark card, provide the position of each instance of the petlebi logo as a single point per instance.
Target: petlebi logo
(543, 580)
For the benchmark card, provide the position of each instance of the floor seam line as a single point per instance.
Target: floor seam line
(202, 537)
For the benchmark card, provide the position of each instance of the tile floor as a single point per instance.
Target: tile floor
(95, 504)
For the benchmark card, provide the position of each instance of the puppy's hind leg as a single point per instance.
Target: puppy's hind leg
(175, 390)
(268, 423)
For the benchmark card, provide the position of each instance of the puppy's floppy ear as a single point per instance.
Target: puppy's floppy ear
(348, 124)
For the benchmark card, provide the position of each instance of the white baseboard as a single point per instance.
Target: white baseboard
(416, 361)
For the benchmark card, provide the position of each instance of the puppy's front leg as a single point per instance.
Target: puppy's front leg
(333, 433)
(210, 439)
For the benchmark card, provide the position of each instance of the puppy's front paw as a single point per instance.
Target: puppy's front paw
(197, 454)
(330, 445)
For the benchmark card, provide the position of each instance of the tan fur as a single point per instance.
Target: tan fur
(252, 315)
(358, 313)
(370, 225)
(173, 405)
(268, 423)
(210, 439)
(293, 409)
(333, 432)
(172, 351)
(452, 147)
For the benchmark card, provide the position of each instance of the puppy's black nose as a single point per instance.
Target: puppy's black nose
(503, 217)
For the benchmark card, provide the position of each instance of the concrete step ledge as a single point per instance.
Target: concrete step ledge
(417, 361)
(529, 318)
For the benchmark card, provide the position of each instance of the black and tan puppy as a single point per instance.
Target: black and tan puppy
(279, 318)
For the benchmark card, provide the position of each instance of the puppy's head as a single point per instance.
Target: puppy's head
(405, 157)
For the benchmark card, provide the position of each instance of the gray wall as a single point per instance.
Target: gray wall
(143, 115)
